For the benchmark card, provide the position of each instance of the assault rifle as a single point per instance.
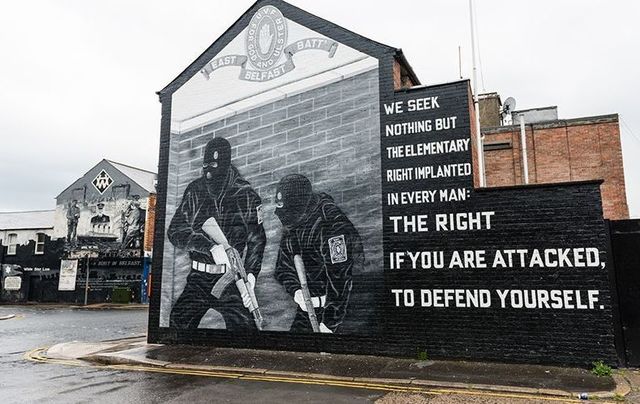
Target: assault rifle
(304, 287)
(229, 256)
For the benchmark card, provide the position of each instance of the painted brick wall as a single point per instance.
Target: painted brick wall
(329, 134)
(564, 151)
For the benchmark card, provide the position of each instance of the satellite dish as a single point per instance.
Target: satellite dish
(509, 106)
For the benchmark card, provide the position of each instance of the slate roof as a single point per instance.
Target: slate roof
(35, 219)
(146, 179)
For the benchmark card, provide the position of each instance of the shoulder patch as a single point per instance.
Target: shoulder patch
(259, 213)
(338, 249)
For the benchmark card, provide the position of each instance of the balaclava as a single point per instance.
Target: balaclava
(216, 164)
(293, 195)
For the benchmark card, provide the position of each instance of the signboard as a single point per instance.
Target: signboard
(128, 263)
(68, 273)
(12, 283)
(77, 254)
(470, 271)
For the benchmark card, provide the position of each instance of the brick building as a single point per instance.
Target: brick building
(558, 150)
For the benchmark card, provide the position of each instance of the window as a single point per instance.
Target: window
(12, 243)
(497, 145)
(39, 244)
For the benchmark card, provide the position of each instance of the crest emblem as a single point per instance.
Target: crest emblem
(102, 182)
(266, 38)
(338, 249)
(268, 55)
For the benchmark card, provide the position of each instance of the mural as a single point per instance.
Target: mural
(273, 214)
(104, 223)
(101, 220)
(219, 215)
(308, 196)
(105, 209)
(318, 252)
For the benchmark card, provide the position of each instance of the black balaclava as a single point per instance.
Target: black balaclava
(292, 198)
(216, 164)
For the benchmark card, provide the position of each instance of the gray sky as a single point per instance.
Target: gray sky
(78, 78)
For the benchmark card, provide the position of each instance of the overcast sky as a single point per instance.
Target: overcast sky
(78, 78)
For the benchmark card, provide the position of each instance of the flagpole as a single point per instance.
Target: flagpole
(479, 145)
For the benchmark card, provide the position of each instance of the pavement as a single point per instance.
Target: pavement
(111, 306)
(392, 374)
(93, 306)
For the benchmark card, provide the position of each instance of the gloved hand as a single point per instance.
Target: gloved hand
(298, 298)
(325, 329)
(315, 301)
(220, 256)
(245, 294)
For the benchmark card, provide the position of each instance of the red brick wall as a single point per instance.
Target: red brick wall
(149, 226)
(563, 151)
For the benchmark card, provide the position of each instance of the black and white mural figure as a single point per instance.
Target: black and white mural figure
(318, 252)
(218, 219)
(73, 215)
(287, 100)
(133, 224)
(100, 223)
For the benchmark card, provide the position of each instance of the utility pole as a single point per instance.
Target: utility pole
(479, 143)
(86, 284)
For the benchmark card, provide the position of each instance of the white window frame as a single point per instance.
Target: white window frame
(12, 248)
(39, 244)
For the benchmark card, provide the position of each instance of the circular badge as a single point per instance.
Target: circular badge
(266, 38)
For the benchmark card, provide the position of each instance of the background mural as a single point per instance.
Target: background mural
(318, 120)
(104, 210)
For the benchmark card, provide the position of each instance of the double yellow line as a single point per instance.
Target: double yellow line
(37, 355)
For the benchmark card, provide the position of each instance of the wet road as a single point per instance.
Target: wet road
(22, 381)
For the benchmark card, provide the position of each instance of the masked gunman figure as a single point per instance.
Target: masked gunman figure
(316, 230)
(222, 197)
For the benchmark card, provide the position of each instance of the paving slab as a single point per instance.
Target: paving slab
(374, 367)
(77, 349)
(135, 355)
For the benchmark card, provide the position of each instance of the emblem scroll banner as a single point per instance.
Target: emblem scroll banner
(265, 44)
(247, 74)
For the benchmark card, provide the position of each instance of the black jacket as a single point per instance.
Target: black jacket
(237, 209)
(327, 273)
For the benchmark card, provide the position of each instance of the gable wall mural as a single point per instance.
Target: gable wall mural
(317, 136)
(304, 204)
(105, 210)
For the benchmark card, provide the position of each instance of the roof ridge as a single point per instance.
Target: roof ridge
(130, 166)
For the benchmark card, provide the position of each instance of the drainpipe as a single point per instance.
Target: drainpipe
(523, 143)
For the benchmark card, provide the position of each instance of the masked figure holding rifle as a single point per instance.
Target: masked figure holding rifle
(219, 219)
(319, 250)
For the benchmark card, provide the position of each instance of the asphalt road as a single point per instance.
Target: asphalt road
(23, 381)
